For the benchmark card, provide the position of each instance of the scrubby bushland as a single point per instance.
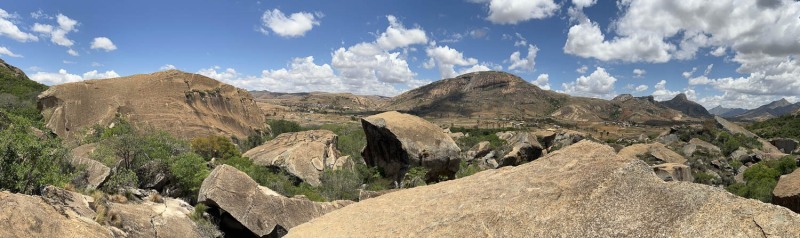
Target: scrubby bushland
(762, 177)
(787, 126)
(28, 162)
(477, 135)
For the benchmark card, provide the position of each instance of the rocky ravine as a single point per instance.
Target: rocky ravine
(580, 191)
(183, 104)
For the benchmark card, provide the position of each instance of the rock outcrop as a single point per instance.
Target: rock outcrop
(522, 147)
(304, 154)
(96, 172)
(257, 209)
(787, 192)
(785, 145)
(183, 104)
(657, 150)
(397, 141)
(149, 219)
(31, 216)
(673, 172)
(585, 190)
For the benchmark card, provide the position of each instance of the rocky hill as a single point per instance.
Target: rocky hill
(681, 103)
(321, 100)
(493, 94)
(183, 104)
(17, 91)
(770, 110)
(726, 112)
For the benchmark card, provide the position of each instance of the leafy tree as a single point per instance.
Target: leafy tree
(283, 126)
(787, 126)
(762, 178)
(215, 147)
(190, 170)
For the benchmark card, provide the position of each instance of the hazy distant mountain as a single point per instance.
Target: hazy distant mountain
(321, 100)
(683, 104)
(770, 110)
(727, 112)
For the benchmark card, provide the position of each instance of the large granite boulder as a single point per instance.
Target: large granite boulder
(584, 190)
(169, 218)
(31, 216)
(785, 145)
(521, 147)
(479, 150)
(657, 150)
(304, 154)
(397, 141)
(248, 208)
(96, 172)
(787, 192)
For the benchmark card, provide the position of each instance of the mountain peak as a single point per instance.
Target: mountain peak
(681, 97)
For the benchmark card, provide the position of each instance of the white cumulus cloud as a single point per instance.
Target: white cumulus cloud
(6, 51)
(397, 36)
(524, 64)
(638, 73)
(10, 30)
(599, 84)
(58, 34)
(543, 81)
(294, 25)
(446, 59)
(62, 76)
(516, 11)
(103, 43)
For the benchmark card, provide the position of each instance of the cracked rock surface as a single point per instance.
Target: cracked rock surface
(257, 208)
(584, 190)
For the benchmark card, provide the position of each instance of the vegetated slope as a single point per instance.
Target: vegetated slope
(17, 91)
(494, 94)
(786, 126)
(681, 103)
(321, 100)
(726, 112)
(770, 110)
(183, 104)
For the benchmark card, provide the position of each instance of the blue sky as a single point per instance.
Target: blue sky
(727, 52)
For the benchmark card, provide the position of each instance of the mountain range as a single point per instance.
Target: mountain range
(771, 110)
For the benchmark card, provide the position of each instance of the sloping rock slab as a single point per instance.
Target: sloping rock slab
(304, 154)
(584, 190)
(257, 208)
(29, 216)
(96, 172)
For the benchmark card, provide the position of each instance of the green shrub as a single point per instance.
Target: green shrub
(762, 178)
(340, 184)
(415, 177)
(705, 178)
(351, 139)
(283, 126)
(28, 162)
(218, 147)
(190, 170)
(120, 179)
(465, 169)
